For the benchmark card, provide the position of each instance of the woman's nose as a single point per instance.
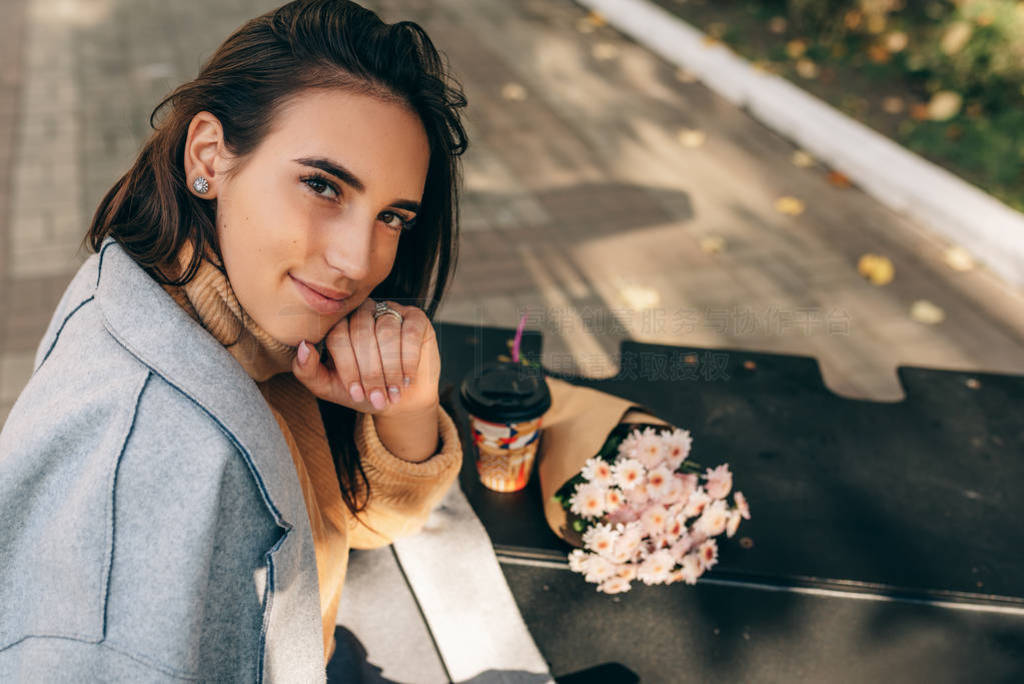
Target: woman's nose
(350, 247)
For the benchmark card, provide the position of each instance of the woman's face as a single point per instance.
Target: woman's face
(321, 202)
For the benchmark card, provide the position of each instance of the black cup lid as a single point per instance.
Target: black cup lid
(502, 391)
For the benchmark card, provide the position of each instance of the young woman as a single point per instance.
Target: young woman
(241, 383)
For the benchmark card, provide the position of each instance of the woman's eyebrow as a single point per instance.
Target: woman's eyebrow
(335, 169)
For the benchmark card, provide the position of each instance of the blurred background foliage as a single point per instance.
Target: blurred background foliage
(944, 78)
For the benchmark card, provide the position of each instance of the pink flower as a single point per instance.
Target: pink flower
(601, 539)
(623, 514)
(741, 504)
(588, 501)
(682, 547)
(696, 503)
(656, 567)
(614, 585)
(734, 523)
(691, 568)
(653, 520)
(613, 500)
(659, 480)
(719, 481)
(649, 449)
(677, 447)
(598, 471)
(707, 554)
(598, 569)
(714, 518)
(628, 473)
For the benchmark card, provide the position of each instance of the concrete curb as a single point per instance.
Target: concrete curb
(901, 180)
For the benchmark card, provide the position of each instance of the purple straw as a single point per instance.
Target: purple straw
(519, 338)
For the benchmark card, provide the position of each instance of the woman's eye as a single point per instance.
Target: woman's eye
(395, 221)
(318, 184)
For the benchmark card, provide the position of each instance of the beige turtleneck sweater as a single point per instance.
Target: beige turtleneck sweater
(402, 493)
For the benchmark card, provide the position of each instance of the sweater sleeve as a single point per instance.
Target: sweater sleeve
(402, 493)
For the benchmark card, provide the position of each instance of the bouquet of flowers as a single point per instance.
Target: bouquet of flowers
(645, 511)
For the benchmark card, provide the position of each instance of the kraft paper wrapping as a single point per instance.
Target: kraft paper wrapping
(574, 429)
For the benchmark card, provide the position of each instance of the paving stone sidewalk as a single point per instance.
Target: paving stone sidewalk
(581, 207)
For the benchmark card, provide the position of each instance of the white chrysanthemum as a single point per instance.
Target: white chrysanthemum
(614, 585)
(656, 567)
(691, 568)
(653, 520)
(741, 504)
(675, 526)
(649, 449)
(598, 569)
(588, 501)
(733, 524)
(598, 471)
(690, 482)
(677, 447)
(578, 560)
(600, 539)
(719, 481)
(628, 472)
(659, 480)
(675, 492)
(626, 571)
(714, 518)
(696, 503)
(628, 445)
(613, 500)
(707, 553)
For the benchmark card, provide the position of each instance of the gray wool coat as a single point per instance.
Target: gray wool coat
(150, 529)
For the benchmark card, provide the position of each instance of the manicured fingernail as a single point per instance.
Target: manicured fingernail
(395, 394)
(377, 399)
(356, 390)
(303, 352)
(406, 381)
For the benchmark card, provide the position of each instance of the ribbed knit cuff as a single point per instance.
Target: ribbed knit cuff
(379, 458)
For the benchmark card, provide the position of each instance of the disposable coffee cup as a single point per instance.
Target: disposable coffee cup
(505, 402)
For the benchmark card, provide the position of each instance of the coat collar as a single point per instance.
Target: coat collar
(147, 321)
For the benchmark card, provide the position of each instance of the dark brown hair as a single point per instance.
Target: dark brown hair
(303, 45)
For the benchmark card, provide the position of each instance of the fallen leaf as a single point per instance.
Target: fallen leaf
(777, 24)
(802, 159)
(924, 311)
(852, 19)
(892, 105)
(876, 268)
(944, 105)
(838, 179)
(790, 206)
(806, 68)
(692, 137)
(597, 19)
(513, 91)
(959, 259)
(796, 48)
(605, 51)
(712, 244)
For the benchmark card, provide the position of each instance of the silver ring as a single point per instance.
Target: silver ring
(382, 308)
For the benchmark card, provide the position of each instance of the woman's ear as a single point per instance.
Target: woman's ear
(204, 155)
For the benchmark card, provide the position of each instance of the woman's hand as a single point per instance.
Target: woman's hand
(369, 357)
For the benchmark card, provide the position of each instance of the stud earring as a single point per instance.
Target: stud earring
(201, 185)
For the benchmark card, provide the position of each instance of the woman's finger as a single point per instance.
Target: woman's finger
(364, 344)
(339, 343)
(414, 329)
(389, 340)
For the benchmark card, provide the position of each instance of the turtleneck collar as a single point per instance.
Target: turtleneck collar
(210, 300)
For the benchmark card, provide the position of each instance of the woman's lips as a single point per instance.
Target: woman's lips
(316, 301)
